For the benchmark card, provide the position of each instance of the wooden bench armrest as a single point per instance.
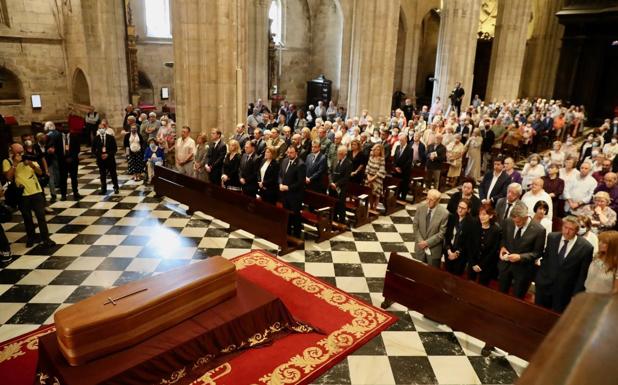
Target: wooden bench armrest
(323, 209)
(363, 197)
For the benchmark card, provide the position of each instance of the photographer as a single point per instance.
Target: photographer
(23, 171)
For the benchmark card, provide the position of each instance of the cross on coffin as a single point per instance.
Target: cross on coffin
(113, 300)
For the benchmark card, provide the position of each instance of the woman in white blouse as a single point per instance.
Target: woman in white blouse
(556, 155)
(603, 271)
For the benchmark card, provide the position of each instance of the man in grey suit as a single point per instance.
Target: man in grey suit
(429, 228)
(522, 243)
(505, 205)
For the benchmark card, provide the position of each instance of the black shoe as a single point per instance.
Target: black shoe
(5, 256)
(103, 192)
(52, 200)
(116, 190)
(48, 243)
(30, 243)
(77, 196)
(63, 198)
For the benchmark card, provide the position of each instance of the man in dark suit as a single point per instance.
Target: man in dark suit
(465, 130)
(505, 205)
(457, 97)
(292, 186)
(402, 162)
(316, 168)
(436, 156)
(67, 151)
(339, 178)
(104, 149)
(467, 192)
(611, 132)
(495, 182)
(522, 243)
(564, 266)
(216, 154)
(248, 170)
(260, 143)
(241, 136)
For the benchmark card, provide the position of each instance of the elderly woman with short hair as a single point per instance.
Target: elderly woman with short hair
(532, 169)
(602, 216)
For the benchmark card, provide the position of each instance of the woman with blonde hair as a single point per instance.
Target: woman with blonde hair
(603, 271)
(231, 163)
(375, 173)
(603, 217)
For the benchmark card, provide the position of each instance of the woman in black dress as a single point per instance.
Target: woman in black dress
(231, 164)
(459, 240)
(484, 263)
(268, 176)
(359, 161)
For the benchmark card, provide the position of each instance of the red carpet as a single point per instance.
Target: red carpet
(296, 359)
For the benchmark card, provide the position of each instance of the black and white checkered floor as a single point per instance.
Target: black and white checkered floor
(105, 241)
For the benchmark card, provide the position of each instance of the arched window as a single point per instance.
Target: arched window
(10, 86)
(276, 21)
(158, 18)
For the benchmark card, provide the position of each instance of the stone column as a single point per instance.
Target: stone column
(257, 72)
(210, 55)
(543, 51)
(507, 53)
(459, 24)
(372, 59)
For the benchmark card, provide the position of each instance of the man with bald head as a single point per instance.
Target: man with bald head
(24, 173)
(429, 228)
(610, 186)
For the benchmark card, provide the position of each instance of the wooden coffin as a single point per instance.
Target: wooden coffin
(123, 316)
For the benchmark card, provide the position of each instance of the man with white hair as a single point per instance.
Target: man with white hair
(505, 205)
(429, 228)
(579, 193)
(338, 181)
(150, 127)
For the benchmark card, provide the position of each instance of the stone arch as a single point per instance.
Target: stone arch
(11, 87)
(428, 48)
(145, 88)
(80, 89)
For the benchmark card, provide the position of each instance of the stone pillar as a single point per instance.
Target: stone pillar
(210, 55)
(459, 24)
(507, 53)
(372, 61)
(543, 51)
(257, 72)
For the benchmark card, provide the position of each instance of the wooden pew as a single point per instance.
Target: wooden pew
(496, 318)
(357, 204)
(389, 195)
(318, 211)
(253, 215)
(417, 182)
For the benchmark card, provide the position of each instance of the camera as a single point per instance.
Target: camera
(30, 157)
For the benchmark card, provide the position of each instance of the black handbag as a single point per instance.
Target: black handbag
(13, 194)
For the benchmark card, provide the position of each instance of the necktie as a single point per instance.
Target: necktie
(288, 166)
(562, 251)
(428, 218)
(518, 233)
(508, 208)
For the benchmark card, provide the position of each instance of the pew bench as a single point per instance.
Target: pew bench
(499, 319)
(318, 211)
(357, 204)
(389, 195)
(241, 211)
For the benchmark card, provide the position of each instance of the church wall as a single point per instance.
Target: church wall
(152, 54)
(31, 48)
(296, 54)
(326, 36)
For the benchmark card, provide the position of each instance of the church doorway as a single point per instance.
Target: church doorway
(428, 48)
(145, 88)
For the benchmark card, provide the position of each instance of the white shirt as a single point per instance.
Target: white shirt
(581, 189)
(494, 179)
(530, 200)
(263, 168)
(570, 245)
(523, 229)
(184, 148)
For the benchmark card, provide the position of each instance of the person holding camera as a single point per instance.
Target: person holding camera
(23, 170)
